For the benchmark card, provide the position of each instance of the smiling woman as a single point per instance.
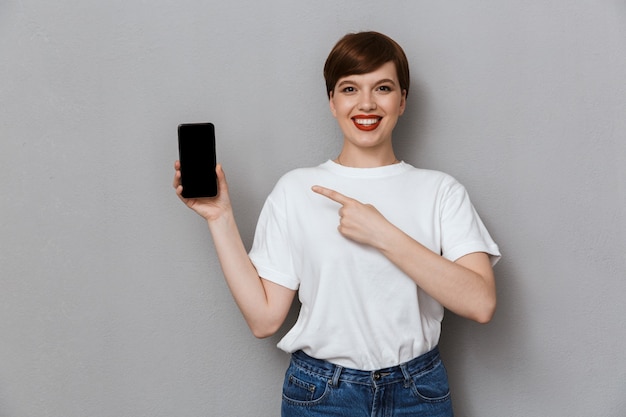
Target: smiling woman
(373, 278)
(367, 108)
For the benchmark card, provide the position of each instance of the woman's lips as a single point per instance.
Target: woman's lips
(366, 123)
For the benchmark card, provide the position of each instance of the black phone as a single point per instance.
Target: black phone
(196, 149)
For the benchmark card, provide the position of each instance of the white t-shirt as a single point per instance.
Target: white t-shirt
(358, 309)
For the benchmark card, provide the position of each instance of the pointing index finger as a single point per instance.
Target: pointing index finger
(332, 194)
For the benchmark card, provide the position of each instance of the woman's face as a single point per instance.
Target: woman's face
(367, 106)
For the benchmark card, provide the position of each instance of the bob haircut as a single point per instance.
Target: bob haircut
(361, 53)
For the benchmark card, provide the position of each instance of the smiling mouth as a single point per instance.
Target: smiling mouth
(366, 123)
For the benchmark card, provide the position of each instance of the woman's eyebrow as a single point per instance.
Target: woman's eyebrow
(344, 82)
(386, 81)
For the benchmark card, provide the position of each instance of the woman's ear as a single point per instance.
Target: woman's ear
(331, 102)
(403, 102)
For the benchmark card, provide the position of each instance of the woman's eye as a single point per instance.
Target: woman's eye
(348, 90)
(384, 88)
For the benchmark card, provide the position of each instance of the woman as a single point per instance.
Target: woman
(375, 248)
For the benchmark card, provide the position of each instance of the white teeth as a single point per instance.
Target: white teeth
(366, 122)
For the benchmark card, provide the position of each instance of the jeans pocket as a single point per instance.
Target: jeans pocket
(431, 384)
(302, 387)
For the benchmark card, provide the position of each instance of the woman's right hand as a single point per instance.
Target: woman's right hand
(211, 208)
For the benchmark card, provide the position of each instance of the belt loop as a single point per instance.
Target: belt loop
(405, 372)
(335, 381)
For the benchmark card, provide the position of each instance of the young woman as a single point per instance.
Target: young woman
(375, 248)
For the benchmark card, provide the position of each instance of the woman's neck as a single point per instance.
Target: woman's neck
(366, 159)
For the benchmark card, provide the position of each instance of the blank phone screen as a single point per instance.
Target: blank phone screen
(196, 145)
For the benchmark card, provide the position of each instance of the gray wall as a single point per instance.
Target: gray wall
(112, 301)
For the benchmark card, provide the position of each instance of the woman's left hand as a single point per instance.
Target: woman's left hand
(360, 222)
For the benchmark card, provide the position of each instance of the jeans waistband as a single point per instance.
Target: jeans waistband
(392, 374)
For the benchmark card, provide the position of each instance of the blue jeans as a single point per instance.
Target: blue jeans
(315, 387)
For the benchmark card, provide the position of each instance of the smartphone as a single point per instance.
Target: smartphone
(196, 149)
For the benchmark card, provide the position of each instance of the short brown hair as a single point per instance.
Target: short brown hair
(363, 52)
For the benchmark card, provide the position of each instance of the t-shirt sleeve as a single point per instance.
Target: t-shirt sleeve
(462, 230)
(270, 253)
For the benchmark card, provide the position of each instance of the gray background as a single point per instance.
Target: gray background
(112, 301)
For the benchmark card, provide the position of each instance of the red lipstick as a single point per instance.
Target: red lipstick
(366, 122)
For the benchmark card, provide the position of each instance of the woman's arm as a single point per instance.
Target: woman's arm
(263, 304)
(466, 287)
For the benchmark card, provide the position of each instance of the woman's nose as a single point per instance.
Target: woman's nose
(367, 102)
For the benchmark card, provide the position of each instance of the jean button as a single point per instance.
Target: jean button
(376, 376)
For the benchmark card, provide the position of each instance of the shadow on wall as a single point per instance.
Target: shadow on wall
(493, 353)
